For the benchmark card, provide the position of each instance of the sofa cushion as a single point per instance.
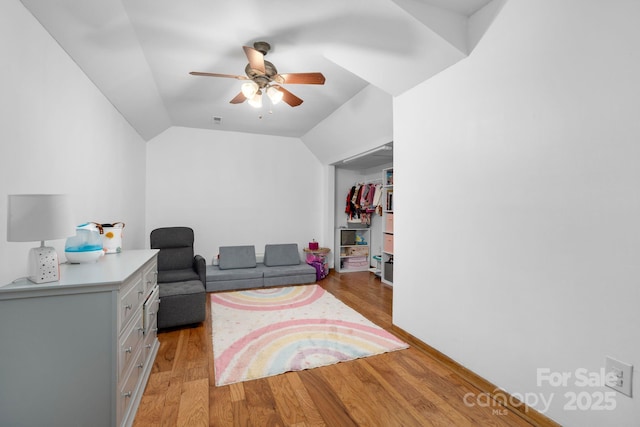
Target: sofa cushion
(281, 254)
(214, 273)
(177, 275)
(237, 257)
(287, 270)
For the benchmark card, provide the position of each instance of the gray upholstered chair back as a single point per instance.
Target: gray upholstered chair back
(176, 247)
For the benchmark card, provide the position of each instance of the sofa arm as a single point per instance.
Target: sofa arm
(200, 266)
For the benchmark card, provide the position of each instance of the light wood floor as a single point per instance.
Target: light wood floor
(401, 388)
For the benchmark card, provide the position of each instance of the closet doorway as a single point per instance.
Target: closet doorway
(362, 172)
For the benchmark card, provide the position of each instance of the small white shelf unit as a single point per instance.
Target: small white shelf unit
(387, 227)
(353, 252)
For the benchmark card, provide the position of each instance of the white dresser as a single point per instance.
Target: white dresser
(78, 352)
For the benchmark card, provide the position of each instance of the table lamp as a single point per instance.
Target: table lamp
(40, 217)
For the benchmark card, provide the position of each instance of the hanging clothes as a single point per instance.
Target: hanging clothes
(378, 196)
(350, 207)
(362, 200)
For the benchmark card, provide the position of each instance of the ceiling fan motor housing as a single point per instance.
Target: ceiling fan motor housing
(258, 77)
(262, 47)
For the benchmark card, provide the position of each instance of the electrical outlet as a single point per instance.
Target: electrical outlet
(619, 375)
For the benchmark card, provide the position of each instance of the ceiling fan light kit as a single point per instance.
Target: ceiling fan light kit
(274, 94)
(263, 77)
(256, 100)
(249, 89)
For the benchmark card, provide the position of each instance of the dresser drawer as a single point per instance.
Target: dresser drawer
(149, 341)
(150, 310)
(127, 388)
(130, 343)
(131, 297)
(150, 275)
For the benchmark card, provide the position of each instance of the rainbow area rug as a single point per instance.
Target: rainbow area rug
(264, 332)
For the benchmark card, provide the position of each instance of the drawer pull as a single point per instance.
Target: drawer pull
(141, 365)
(128, 349)
(151, 313)
(141, 292)
(126, 394)
(147, 346)
(128, 307)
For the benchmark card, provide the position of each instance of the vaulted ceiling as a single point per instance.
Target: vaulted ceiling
(139, 53)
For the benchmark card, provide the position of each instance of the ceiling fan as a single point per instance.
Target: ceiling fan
(262, 77)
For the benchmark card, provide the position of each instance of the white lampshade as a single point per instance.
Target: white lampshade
(39, 217)
(256, 101)
(274, 94)
(249, 89)
(33, 217)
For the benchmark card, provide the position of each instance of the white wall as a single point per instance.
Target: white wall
(59, 134)
(518, 231)
(234, 188)
(363, 123)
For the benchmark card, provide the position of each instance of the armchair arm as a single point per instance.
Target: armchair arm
(200, 266)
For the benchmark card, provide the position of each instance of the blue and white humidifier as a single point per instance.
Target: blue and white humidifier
(85, 246)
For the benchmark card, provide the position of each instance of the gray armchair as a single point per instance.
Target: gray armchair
(181, 277)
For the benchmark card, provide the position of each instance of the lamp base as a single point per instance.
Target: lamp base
(44, 266)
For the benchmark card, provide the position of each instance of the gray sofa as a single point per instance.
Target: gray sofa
(237, 268)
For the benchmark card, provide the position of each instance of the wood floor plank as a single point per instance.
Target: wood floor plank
(166, 353)
(459, 393)
(388, 394)
(286, 401)
(172, 401)
(179, 362)
(158, 384)
(312, 416)
(433, 414)
(237, 392)
(349, 390)
(401, 388)
(373, 398)
(262, 403)
(430, 398)
(331, 409)
(194, 403)
(199, 371)
(241, 413)
(220, 407)
(196, 349)
(150, 411)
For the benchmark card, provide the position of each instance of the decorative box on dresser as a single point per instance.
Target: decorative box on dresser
(78, 352)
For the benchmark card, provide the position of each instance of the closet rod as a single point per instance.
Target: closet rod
(373, 181)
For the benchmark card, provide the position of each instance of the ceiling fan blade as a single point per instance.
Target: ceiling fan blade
(288, 97)
(256, 58)
(300, 78)
(239, 99)
(230, 76)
